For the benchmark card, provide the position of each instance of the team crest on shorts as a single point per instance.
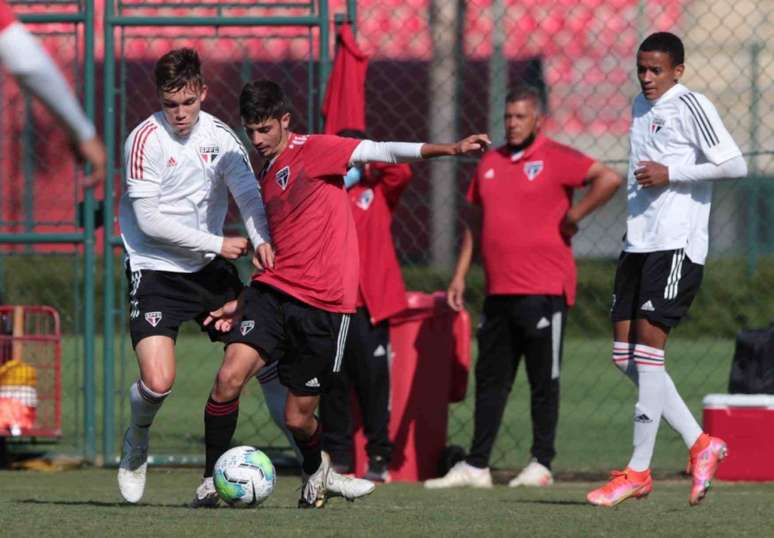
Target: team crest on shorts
(532, 169)
(282, 177)
(209, 153)
(246, 326)
(656, 125)
(365, 199)
(153, 318)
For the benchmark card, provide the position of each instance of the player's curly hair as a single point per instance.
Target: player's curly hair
(665, 42)
(262, 100)
(178, 69)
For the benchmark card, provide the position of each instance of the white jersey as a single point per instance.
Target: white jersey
(190, 176)
(680, 128)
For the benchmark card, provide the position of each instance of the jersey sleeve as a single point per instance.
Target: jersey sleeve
(6, 15)
(473, 196)
(706, 130)
(394, 179)
(329, 155)
(235, 165)
(575, 167)
(142, 161)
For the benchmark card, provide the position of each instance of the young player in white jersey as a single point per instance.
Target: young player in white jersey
(678, 145)
(179, 163)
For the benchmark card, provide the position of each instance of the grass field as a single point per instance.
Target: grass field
(594, 431)
(87, 503)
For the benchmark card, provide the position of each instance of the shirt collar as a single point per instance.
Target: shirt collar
(527, 153)
(671, 93)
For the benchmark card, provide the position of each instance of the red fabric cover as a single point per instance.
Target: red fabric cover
(344, 102)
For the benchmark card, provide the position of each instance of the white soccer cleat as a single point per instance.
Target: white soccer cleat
(206, 495)
(313, 486)
(534, 474)
(134, 464)
(462, 474)
(348, 487)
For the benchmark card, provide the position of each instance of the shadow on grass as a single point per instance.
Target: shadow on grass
(129, 506)
(544, 501)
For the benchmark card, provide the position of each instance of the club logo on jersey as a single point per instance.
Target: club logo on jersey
(153, 318)
(365, 199)
(246, 326)
(209, 153)
(282, 177)
(656, 125)
(532, 169)
(489, 174)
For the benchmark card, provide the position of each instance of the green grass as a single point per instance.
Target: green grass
(87, 503)
(595, 424)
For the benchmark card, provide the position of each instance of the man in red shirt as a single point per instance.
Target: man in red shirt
(374, 191)
(296, 311)
(524, 191)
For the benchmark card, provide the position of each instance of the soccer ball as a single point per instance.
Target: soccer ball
(244, 476)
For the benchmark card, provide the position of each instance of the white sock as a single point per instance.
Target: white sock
(145, 403)
(675, 412)
(650, 404)
(276, 394)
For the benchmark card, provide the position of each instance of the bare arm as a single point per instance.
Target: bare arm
(369, 151)
(604, 181)
(455, 292)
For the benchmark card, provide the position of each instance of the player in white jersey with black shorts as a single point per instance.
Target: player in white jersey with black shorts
(180, 163)
(678, 145)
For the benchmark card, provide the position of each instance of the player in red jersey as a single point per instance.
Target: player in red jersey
(298, 312)
(22, 55)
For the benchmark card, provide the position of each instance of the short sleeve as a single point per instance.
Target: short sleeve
(705, 129)
(473, 196)
(142, 162)
(574, 167)
(394, 179)
(328, 155)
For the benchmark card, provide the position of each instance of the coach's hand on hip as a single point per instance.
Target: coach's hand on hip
(651, 174)
(233, 247)
(455, 293)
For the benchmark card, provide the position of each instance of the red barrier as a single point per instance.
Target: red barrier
(430, 361)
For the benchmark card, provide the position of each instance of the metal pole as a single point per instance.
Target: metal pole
(498, 74)
(753, 189)
(325, 60)
(89, 257)
(108, 322)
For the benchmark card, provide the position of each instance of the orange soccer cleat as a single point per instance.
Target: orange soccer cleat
(624, 485)
(706, 454)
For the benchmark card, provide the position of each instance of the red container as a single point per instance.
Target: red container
(431, 356)
(746, 423)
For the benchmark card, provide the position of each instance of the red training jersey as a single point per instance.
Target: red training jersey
(524, 198)
(6, 15)
(373, 201)
(311, 224)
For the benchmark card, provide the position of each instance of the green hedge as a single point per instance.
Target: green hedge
(728, 292)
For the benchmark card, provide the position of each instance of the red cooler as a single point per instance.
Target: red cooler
(746, 423)
(430, 360)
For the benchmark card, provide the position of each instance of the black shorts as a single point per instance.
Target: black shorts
(307, 342)
(657, 286)
(160, 301)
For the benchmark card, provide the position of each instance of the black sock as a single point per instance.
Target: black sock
(310, 450)
(220, 421)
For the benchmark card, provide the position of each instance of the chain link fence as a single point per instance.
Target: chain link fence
(438, 70)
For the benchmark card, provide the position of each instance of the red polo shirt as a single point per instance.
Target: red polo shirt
(373, 200)
(311, 224)
(524, 198)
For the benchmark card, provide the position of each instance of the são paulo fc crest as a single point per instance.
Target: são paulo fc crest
(532, 169)
(209, 153)
(282, 177)
(365, 199)
(246, 326)
(656, 125)
(153, 318)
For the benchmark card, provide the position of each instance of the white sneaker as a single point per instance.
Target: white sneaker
(206, 495)
(134, 464)
(534, 474)
(460, 475)
(313, 486)
(348, 487)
